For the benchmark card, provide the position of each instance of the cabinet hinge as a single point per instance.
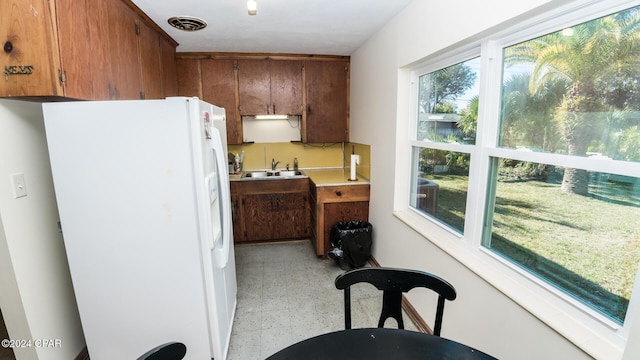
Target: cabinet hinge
(141, 95)
(137, 29)
(62, 76)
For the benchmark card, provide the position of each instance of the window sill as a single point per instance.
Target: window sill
(542, 307)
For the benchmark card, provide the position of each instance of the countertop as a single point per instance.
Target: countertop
(334, 177)
(320, 177)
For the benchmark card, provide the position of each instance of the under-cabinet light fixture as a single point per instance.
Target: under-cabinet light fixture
(252, 7)
(271, 117)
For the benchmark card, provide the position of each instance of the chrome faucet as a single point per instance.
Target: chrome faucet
(274, 163)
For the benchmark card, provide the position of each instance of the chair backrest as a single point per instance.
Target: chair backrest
(394, 282)
(168, 351)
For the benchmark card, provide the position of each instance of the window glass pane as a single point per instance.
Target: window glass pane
(587, 246)
(448, 103)
(576, 91)
(440, 186)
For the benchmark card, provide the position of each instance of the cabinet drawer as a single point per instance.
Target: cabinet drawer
(343, 193)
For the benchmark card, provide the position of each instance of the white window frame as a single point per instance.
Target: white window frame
(593, 332)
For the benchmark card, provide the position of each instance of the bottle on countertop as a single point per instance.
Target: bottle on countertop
(237, 164)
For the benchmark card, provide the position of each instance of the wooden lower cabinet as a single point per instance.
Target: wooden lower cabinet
(264, 210)
(332, 204)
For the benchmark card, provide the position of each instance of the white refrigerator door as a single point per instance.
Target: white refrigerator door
(124, 179)
(217, 240)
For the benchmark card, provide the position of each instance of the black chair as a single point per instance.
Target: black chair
(394, 282)
(168, 351)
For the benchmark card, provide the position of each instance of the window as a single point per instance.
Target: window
(586, 246)
(556, 164)
(445, 129)
(575, 93)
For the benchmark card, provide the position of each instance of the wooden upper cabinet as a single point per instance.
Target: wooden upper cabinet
(78, 49)
(254, 87)
(150, 62)
(270, 86)
(244, 84)
(219, 88)
(286, 86)
(123, 45)
(189, 77)
(169, 69)
(75, 38)
(326, 118)
(30, 57)
(100, 59)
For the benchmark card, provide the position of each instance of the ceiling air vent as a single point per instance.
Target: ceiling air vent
(187, 23)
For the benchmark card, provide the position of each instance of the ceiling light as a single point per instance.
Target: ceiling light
(252, 7)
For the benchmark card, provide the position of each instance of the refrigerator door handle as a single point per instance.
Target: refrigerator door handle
(222, 255)
(211, 186)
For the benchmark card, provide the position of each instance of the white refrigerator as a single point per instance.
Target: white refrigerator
(145, 210)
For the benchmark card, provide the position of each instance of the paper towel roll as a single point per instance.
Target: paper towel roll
(355, 159)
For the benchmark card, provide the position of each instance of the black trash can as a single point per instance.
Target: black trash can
(351, 241)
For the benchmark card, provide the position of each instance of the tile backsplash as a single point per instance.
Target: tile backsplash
(257, 156)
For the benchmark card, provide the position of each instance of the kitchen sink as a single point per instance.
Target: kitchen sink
(272, 174)
(257, 174)
(288, 173)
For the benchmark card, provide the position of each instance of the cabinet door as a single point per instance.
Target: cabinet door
(189, 77)
(261, 221)
(218, 88)
(286, 87)
(29, 43)
(168, 64)
(293, 215)
(123, 45)
(327, 112)
(150, 65)
(100, 58)
(236, 216)
(254, 87)
(77, 39)
(276, 216)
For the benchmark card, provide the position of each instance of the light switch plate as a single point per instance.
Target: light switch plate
(19, 185)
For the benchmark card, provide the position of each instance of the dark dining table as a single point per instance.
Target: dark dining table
(379, 343)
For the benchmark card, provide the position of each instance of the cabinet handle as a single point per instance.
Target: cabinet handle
(339, 193)
(308, 108)
(8, 47)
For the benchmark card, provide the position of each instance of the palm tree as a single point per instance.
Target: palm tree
(468, 122)
(591, 57)
(528, 119)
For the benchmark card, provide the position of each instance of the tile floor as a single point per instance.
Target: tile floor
(286, 294)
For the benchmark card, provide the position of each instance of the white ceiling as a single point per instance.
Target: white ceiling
(332, 27)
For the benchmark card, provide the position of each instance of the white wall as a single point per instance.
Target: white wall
(36, 295)
(482, 316)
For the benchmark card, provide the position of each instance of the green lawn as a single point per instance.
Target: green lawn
(590, 246)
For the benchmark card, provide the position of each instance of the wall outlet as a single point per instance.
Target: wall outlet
(19, 185)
